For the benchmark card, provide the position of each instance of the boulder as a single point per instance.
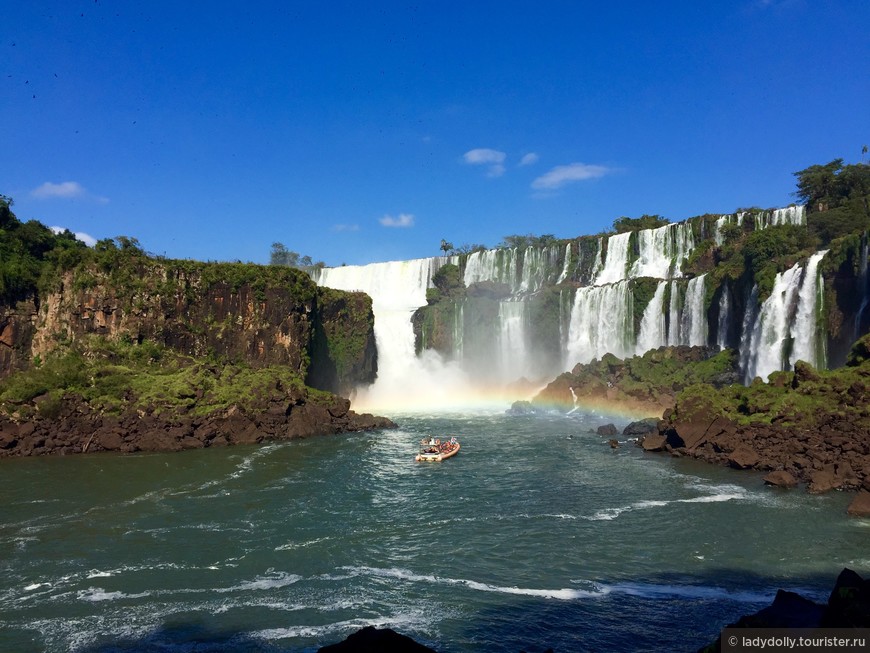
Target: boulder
(743, 457)
(780, 478)
(823, 480)
(653, 443)
(860, 505)
(849, 603)
(642, 427)
(374, 640)
(614, 444)
(607, 430)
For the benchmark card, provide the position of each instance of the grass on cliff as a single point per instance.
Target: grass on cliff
(113, 376)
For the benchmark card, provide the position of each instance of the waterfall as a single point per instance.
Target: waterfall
(513, 319)
(500, 339)
(794, 215)
(397, 289)
(564, 274)
(674, 316)
(786, 328)
(724, 316)
(498, 265)
(539, 264)
(807, 345)
(694, 323)
(653, 333)
(616, 262)
(601, 322)
(661, 251)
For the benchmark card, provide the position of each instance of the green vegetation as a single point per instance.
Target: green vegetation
(837, 198)
(529, 240)
(280, 255)
(116, 375)
(623, 224)
(448, 284)
(28, 250)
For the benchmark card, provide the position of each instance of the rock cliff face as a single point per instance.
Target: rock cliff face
(272, 316)
(155, 355)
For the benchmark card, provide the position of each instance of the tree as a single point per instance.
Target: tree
(623, 224)
(837, 198)
(446, 247)
(280, 255)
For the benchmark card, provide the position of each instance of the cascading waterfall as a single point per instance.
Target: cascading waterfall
(807, 345)
(397, 289)
(565, 271)
(864, 285)
(786, 327)
(724, 316)
(694, 327)
(794, 215)
(498, 265)
(616, 261)
(601, 322)
(660, 251)
(674, 317)
(653, 327)
(498, 341)
(513, 320)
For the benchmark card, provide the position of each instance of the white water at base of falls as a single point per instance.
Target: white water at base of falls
(397, 289)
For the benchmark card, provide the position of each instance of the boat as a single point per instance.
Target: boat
(434, 451)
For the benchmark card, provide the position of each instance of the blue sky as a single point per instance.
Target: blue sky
(356, 132)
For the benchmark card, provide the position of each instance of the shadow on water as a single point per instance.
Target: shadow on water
(656, 612)
(674, 612)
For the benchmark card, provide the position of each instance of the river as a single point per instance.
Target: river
(537, 534)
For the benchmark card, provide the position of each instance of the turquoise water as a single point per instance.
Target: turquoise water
(537, 534)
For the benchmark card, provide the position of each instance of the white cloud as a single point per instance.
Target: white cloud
(561, 175)
(485, 156)
(404, 220)
(66, 190)
(529, 159)
(87, 239)
(345, 227)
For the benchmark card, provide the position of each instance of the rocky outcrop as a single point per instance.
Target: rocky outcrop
(848, 606)
(72, 426)
(259, 315)
(376, 640)
(648, 383)
(17, 327)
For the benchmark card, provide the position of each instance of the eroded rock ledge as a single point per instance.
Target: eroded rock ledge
(75, 427)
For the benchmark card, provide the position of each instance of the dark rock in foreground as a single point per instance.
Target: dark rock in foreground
(848, 607)
(373, 640)
(607, 429)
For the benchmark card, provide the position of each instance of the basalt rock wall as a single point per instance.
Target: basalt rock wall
(239, 313)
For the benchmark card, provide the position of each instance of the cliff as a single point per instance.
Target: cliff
(236, 313)
(120, 351)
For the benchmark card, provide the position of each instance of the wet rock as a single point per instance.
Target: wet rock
(780, 478)
(642, 427)
(607, 430)
(374, 640)
(743, 458)
(860, 505)
(653, 443)
(614, 444)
